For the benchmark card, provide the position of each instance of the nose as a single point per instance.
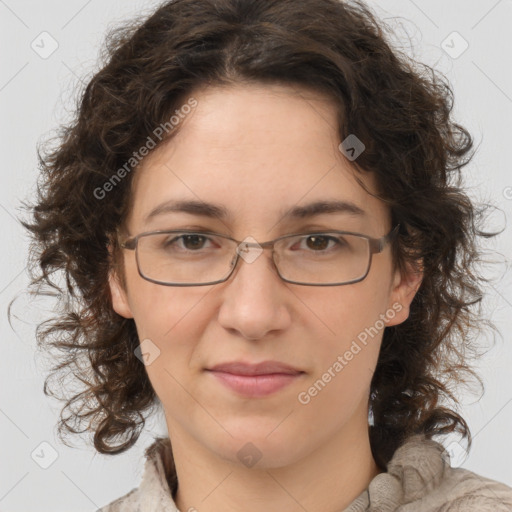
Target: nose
(255, 300)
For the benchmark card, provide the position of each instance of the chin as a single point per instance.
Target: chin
(262, 447)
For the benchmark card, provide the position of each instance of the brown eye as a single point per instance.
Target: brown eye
(187, 241)
(317, 242)
(193, 241)
(320, 243)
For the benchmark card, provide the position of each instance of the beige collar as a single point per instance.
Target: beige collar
(416, 469)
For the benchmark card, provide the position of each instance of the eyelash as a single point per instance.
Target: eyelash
(175, 239)
(308, 228)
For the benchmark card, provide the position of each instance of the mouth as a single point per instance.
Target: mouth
(263, 368)
(255, 380)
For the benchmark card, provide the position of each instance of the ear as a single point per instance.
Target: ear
(118, 293)
(403, 289)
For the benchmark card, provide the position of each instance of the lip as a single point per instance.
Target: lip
(255, 380)
(263, 368)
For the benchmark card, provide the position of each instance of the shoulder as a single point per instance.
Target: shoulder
(466, 491)
(419, 478)
(128, 502)
(153, 493)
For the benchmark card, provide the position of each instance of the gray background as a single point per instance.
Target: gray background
(36, 94)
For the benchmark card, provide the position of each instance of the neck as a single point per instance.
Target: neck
(328, 479)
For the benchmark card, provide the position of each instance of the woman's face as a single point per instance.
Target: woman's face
(258, 151)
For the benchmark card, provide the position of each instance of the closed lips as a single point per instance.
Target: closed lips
(247, 369)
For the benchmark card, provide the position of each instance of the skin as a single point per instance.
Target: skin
(257, 149)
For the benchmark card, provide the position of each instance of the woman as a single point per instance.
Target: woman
(303, 377)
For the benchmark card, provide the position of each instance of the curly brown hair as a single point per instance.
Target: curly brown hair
(400, 109)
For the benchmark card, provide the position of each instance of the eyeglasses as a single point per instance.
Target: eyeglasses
(193, 258)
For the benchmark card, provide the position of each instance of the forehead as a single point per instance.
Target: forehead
(257, 151)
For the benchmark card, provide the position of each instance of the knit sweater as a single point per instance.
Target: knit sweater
(418, 478)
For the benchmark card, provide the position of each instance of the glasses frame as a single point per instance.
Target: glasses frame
(376, 246)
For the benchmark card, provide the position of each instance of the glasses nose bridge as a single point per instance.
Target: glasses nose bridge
(263, 245)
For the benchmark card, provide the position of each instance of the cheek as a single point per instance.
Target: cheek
(348, 310)
(162, 311)
(170, 326)
(174, 320)
(349, 327)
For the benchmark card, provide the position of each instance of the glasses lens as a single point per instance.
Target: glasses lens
(200, 258)
(182, 257)
(323, 258)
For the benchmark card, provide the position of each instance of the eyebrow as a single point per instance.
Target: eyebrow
(218, 211)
